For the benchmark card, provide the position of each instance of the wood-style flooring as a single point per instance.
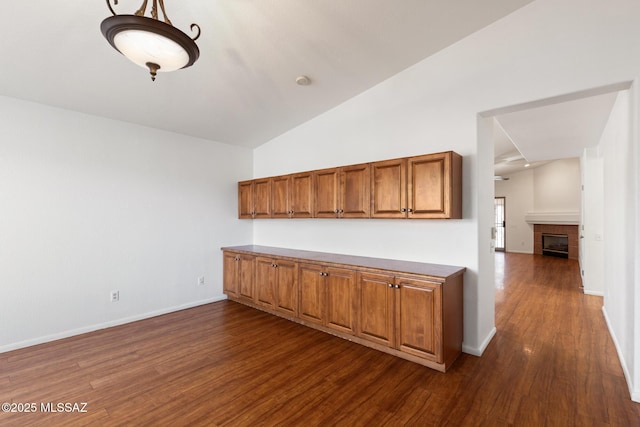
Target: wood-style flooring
(551, 363)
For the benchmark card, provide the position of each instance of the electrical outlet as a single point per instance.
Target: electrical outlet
(201, 281)
(115, 296)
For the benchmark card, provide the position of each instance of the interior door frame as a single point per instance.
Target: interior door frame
(504, 222)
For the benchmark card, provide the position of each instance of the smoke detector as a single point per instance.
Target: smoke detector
(303, 80)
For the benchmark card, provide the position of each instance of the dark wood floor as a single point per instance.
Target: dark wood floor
(551, 363)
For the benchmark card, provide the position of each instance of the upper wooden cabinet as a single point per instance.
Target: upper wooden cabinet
(292, 196)
(434, 186)
(302, 195)
(428, 187)
(254, 198)
(280, 195)
(342, 192)
(389, 189)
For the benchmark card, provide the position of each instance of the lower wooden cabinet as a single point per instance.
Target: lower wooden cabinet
(419, 318)
(276, 284)
(401, 313)
(327, 296)
(312, 293)
(377, 308)
(239, 274)
(411, 310)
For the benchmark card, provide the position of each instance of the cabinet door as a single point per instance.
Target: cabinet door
(434, 186)
(312, 293)
(265, 281)
(327, 183)
(302, 195)
(245, 199)
(230, 273)
(262, 198)
(355, 191)
(340, 286)
(280, 194)
(376, 308)
(246, 276)
(389, 189)
(419, 318)
(287, 287)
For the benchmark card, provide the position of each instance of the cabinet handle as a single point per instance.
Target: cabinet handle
(336, 211)
(397, 286)
(403, 210)
(409, 210)
(391, 285)
(341, 210)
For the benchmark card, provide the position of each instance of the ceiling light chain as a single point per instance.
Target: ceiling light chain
(149, 42)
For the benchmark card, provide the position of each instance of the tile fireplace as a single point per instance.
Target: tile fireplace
(556, 240)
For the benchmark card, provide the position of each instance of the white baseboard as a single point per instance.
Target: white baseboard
(635, 395)
(477, 351)
(519, 252)
(91, 328)
(594, 293)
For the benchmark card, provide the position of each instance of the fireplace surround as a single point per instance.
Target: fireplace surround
(570, 231)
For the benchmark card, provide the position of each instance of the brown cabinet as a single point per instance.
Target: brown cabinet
(312, 293)
(327, 296)
(411, 310)
(265, 282)
(291, 196)
(377, 308)
(419, 318)
(402, 313)
(389, 189)
(302, 195)
(427, 187)
(276, 284)
(342, 192)
(434, 186)
(340, 284)
(239, 275)
(254, 198)
(280, 195)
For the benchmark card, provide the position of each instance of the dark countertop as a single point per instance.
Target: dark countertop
(411, 267)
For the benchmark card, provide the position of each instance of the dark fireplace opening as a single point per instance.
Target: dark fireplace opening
(555, 245)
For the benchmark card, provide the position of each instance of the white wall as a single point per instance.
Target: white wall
(518, 194)
(619, 151)
(546, 49)
(89, 205)
(592, 227)
(557, 186)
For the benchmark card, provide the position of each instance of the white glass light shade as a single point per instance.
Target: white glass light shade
(142, 47)
(150, 43)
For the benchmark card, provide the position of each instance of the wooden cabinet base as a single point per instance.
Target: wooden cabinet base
(408, 309)
(442, 367)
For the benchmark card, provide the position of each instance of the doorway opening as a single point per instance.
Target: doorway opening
(499, 223)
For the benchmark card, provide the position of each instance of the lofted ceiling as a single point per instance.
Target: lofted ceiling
(559, 130)
(242, 89)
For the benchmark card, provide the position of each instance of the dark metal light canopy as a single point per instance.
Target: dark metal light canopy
(149, 42)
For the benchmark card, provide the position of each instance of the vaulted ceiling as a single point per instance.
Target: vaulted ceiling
(242, 90)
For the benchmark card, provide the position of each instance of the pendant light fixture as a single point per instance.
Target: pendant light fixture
(148, 42)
